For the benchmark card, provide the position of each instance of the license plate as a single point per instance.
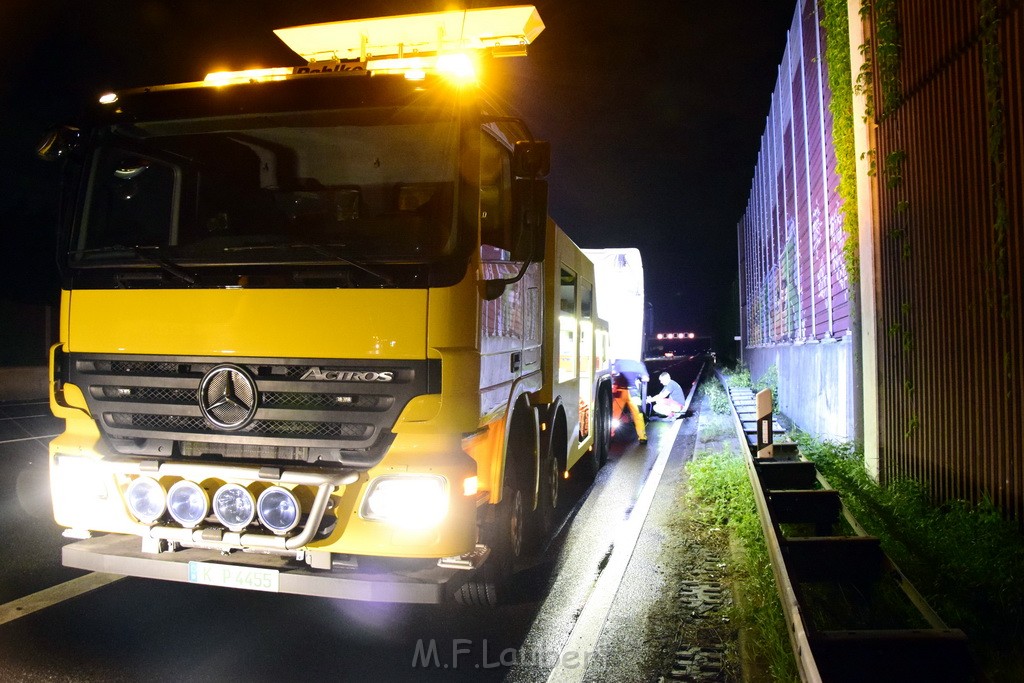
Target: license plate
(233, 576)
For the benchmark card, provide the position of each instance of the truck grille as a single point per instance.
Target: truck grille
(341, 412)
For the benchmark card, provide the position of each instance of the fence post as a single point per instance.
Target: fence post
(765, 449)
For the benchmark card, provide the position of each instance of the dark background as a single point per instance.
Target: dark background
(654, 111)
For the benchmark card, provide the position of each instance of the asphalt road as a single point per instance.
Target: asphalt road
(133, 629)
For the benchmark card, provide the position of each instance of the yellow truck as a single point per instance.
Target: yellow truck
(317, 332)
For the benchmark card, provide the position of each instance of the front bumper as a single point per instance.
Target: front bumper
(417, 583)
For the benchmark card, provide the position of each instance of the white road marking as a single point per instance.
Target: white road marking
(581, 646)
(54, 595)
(29, 438)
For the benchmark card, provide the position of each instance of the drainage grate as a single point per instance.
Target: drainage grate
(701, 598)
(698, 664)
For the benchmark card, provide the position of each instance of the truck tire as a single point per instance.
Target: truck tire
(503, 534)
(598, 455)
(550, 482)
(603, 425)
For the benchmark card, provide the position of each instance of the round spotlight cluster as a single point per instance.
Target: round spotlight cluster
(234, 505)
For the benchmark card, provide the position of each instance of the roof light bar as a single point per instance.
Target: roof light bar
(412, 44)
(495, 28)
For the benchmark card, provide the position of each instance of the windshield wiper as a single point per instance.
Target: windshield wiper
(322, 250)
(140, 251)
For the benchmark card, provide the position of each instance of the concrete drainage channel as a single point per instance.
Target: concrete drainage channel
(852, 614)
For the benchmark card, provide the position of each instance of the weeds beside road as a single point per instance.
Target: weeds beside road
(716, 540)
(966, 560)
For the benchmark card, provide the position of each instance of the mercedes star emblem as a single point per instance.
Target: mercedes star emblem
(227, 397)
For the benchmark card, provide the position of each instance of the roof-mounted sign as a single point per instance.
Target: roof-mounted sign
(503, 31)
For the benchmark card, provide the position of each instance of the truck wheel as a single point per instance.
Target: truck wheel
(593, 461)
(503, 534)
(550, 481)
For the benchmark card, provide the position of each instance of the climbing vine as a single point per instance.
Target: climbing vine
(837, 59)
(879, 82)
(888, 53)
(993, 67)
(992, 63)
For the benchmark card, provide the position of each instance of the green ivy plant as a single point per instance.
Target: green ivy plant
(837, 59)
(992, 64)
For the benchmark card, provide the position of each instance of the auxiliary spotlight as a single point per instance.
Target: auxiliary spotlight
(278, 509)
(234, 506)
(188, 503)
(146, 499)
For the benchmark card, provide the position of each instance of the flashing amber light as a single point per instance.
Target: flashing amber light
(458, 66)
(219, 78)
(470, 486)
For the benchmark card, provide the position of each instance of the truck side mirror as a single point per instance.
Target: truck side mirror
(531, 159)
(58, 143)
(530, 218)
(531, 162)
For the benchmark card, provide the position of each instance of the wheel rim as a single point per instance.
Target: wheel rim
(553, 475)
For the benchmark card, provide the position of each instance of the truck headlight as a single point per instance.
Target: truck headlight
(278, 509)
(188, 503)
(79, 479)
(234, 506)
(415, 501)
(146, 499)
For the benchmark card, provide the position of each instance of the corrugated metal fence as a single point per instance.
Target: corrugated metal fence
(794, 277)
(949, 191)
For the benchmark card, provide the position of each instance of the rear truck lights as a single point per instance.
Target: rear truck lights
(278, 509)
(188, 503)
(234, 506)
(410, 501)
(146, 499)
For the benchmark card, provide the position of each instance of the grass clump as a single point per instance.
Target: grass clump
(965, 559)
(716, 395)
(722, 497)
(740, 378)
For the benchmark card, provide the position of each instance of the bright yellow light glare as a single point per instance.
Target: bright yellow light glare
(398, 65)
(108, 98)
(457, 65)
(415, 75)
(219, 78)
(470, 486)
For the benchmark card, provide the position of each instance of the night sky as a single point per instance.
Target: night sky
(654, 111)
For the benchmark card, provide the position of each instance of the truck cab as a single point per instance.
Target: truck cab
(318, 334)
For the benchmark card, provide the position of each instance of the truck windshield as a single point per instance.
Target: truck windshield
(355, 185)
